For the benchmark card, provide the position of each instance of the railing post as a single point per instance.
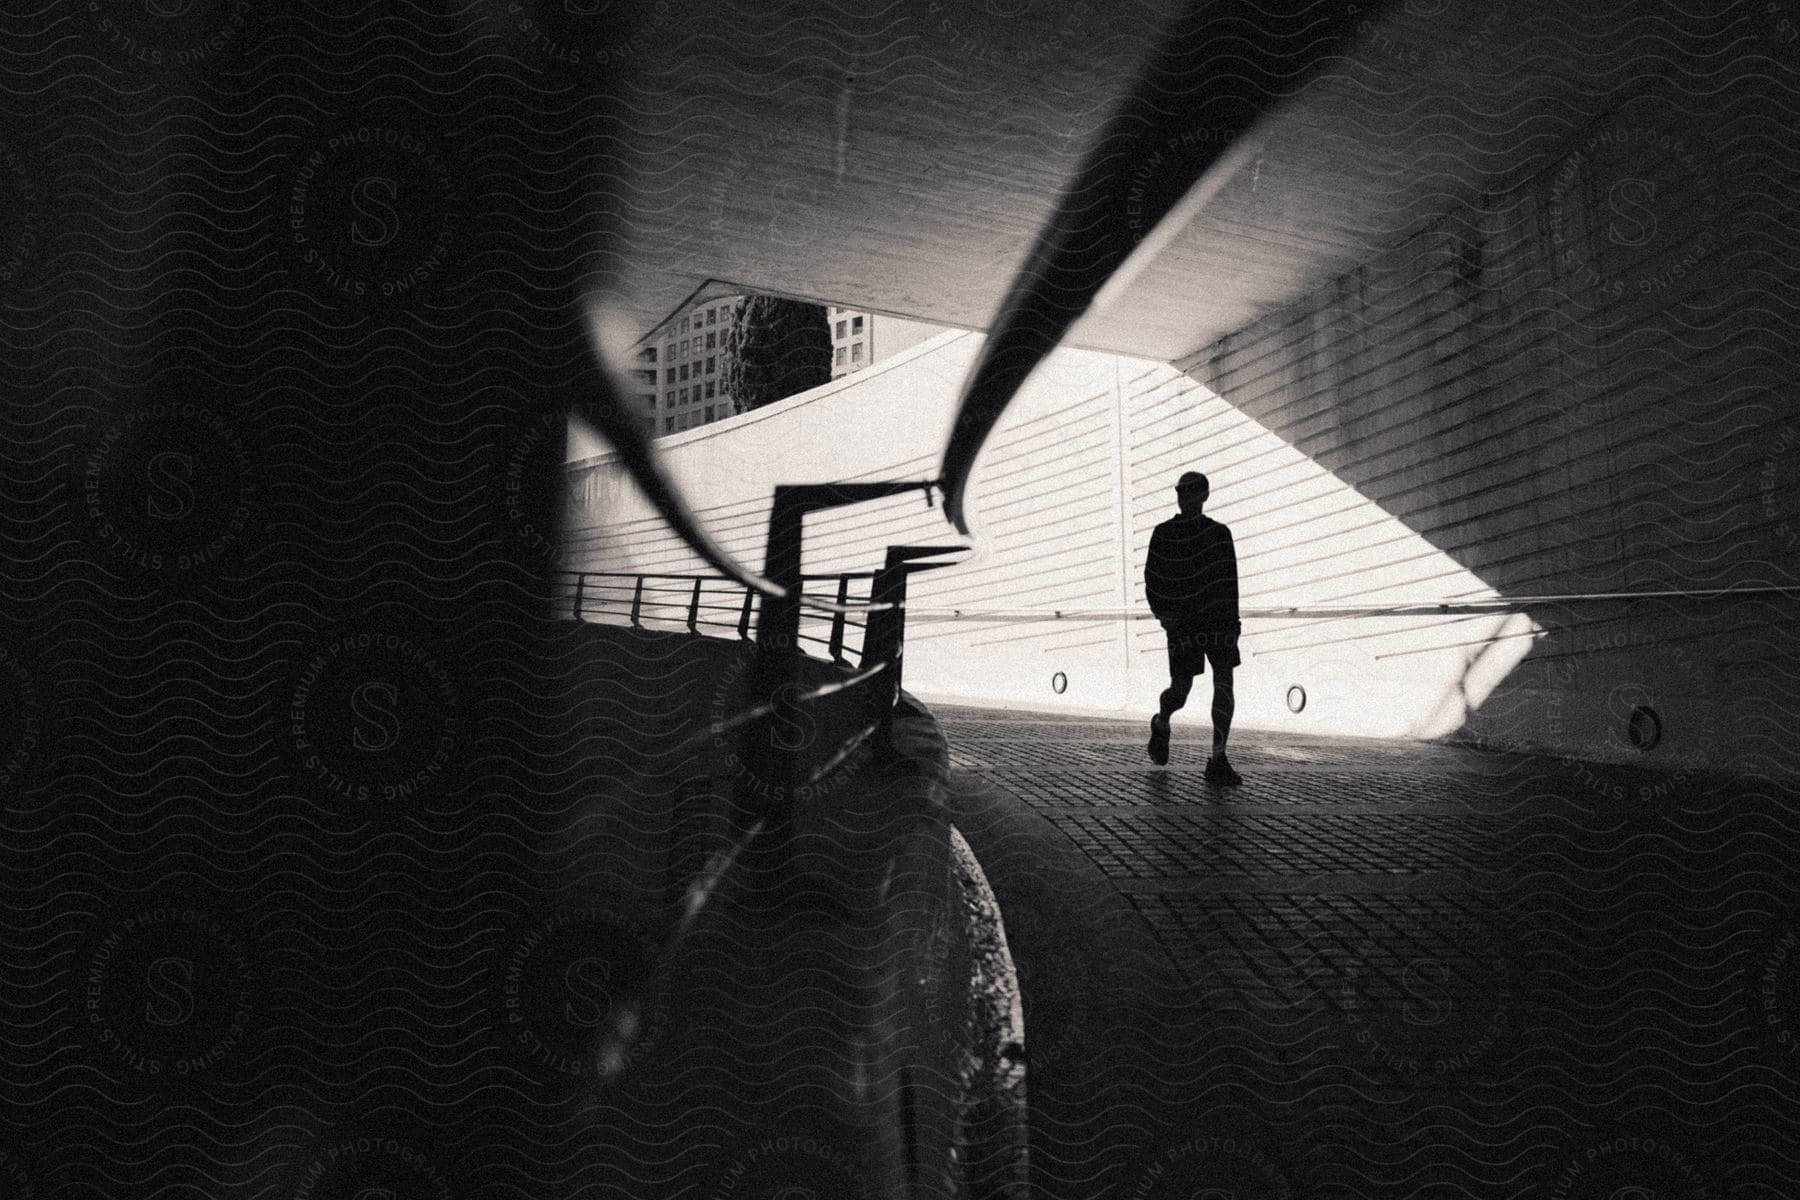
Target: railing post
(580, 583)
(837, 619)
(769, 784)
(637, 601)
(882, 632)
(694, 608)
(744, 618)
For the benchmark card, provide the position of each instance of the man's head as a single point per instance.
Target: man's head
(1191, 491)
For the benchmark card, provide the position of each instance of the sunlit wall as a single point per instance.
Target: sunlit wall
(1066, 496)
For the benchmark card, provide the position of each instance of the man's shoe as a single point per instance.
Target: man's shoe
(1159, 740)
(1218, 770)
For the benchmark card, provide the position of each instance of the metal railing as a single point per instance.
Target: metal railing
(674, 601)
(707, 604)
(871, 606)
(780, 634)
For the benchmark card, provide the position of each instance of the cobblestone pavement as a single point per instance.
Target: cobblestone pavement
(1389, 969)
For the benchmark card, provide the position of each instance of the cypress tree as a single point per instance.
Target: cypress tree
(778, 347)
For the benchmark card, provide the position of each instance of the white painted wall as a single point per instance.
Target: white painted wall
(1065, 497)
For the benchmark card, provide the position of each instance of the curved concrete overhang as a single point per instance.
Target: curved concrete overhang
(901, 157)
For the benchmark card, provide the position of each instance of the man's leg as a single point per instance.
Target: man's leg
(1175, 695)
(1223, 706)
(1218, 767)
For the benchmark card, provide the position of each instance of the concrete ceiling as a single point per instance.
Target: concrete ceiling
(901, 157)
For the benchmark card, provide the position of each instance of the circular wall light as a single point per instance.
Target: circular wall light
(1296, 698)
(1059, 683)
(1643, 728)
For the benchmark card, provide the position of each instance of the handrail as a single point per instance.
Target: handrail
(877, 663)
(692, 593)
(1418, 608)
(670, 599)
(702, 575)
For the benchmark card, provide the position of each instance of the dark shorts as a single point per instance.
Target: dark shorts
(1189, 651)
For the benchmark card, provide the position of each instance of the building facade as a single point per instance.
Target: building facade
(684, 367)
(647, 376)
(860, 338)
(681, 365)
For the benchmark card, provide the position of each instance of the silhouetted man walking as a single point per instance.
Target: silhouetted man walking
(1190, 580)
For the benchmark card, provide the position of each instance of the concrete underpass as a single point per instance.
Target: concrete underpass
(396, 804)
(1489, 371)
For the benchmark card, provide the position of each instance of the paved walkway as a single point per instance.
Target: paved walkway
(1384, 969)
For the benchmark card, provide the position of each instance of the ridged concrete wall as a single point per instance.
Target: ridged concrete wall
(1582, 384)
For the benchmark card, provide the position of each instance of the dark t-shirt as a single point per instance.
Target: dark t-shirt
(1190, 576)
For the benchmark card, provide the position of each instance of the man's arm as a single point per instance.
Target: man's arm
(1156, 577)
(1231, 573)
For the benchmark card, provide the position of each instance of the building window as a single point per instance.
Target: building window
(840, 356)
(712, 341)
(712, 316)
(855, 324)
(668, 374)
(709, 389)
(650, 353)
(856, 352)
(668, 424)
(684, 393)
(710, 362)
(684, 372)
(684, 325)
(840, 329)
